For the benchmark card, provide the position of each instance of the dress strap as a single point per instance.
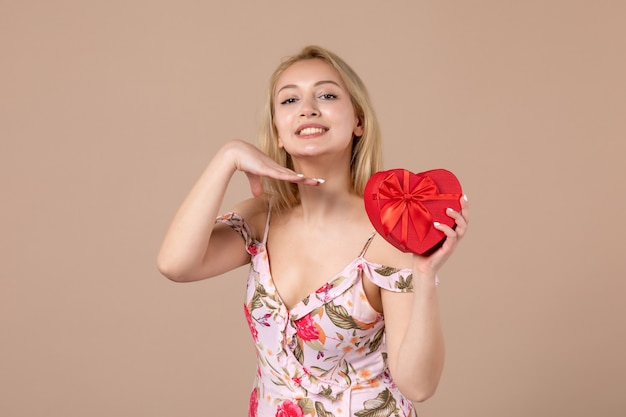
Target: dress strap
(267, 223)
(367, 244)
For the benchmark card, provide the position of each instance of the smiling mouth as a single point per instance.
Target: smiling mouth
(311, 131)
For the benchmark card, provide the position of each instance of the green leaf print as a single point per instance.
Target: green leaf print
(381, 406)
(306, 404)
(375, 342)
(314, 344)
(259, 289)
(261, 295)
(327, 393)
(405, 284)
(345, 372)
(278, 383)
(297, 352)
(386, 271)
(256, 302)
(340, 316)
(321, 372)
(321, 411)
(330, 358)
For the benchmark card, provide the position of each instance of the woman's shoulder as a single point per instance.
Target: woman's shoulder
(384, 253)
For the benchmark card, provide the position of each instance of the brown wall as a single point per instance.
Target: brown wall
(109, 110)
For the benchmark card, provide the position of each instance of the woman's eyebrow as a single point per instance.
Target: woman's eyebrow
(315, 85)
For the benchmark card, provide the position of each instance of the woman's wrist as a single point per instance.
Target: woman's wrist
(425, 278)
(227, 154)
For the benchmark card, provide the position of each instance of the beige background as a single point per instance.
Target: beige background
(109, 110)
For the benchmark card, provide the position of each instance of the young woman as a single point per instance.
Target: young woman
(344, 323)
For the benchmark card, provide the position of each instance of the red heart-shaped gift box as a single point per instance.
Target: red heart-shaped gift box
(402, 207)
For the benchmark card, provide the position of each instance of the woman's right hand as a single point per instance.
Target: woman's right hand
(192, 249)
(255, 164)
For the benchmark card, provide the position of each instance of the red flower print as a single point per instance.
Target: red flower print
(254, 403)
(255, 333)
(325, 288)
(305, 328)
(263, 320)
(252, 249)
(289, 409)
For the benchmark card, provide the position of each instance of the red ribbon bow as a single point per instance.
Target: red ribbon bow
(402, 202)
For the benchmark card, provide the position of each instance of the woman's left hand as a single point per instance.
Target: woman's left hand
(429, 265)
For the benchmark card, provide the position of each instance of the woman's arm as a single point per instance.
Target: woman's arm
(194, 247)
(414, 336)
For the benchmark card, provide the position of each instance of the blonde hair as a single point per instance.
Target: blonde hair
(366, 150)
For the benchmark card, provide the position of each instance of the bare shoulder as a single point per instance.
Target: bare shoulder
(384, 253)
(254, 211)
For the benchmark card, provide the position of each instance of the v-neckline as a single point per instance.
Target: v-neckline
(312, 293)
(334, 278)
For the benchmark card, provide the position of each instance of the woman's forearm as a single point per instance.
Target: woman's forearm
(421, 351)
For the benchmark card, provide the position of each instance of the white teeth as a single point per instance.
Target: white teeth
(311, 130)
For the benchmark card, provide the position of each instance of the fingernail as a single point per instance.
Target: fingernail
(465, 197)
(436, 223)
(320, 180)
(450, 210)
(300, 175)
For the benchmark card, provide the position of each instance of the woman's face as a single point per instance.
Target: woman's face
(313, 113)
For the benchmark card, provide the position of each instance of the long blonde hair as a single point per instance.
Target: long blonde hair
(366, 149)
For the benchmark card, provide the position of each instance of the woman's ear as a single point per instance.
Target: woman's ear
(358, 129)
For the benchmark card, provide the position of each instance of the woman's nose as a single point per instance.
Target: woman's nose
(309, 108)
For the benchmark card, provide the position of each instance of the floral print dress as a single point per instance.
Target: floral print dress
(326, 357)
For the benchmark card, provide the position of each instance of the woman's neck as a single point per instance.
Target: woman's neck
(331, 199)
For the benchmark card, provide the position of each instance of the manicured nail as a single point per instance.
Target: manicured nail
(300, 175)
(450, 210)
(320, 180)
(436, 223)
(465, 197)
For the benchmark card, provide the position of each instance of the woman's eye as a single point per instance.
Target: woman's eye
(288, 101)
(328, 96)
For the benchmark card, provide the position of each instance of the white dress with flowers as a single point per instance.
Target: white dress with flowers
(326, 357)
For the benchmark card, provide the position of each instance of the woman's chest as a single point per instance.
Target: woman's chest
(302, 262)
